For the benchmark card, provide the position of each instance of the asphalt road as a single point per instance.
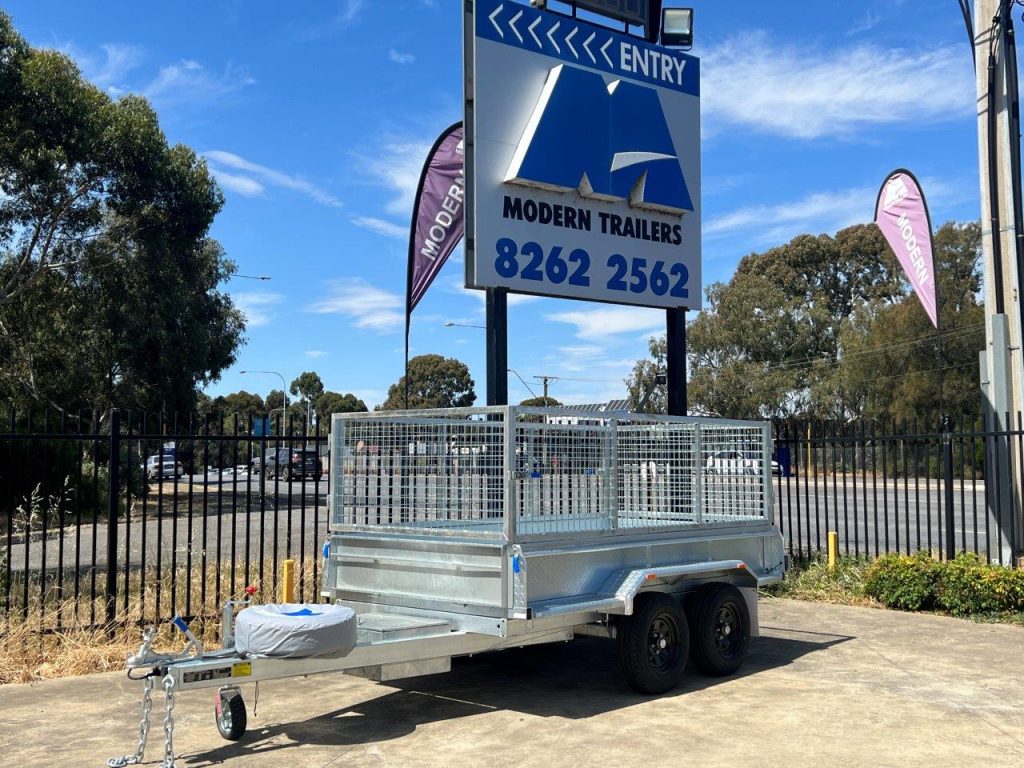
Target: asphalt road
(242, 525)
(877, 516)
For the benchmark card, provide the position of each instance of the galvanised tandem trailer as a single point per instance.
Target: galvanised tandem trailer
(459, 531)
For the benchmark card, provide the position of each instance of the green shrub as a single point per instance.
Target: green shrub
(904, 582)
(969, 585)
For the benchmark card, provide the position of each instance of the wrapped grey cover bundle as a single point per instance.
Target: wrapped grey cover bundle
(295, 631)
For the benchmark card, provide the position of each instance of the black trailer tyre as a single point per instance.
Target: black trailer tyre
(231, 716)
(654, 644)
(719, 630)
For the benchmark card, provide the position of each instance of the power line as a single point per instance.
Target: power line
(953, 333)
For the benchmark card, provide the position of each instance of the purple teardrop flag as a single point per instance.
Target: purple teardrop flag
(902, 215)
(438, 213)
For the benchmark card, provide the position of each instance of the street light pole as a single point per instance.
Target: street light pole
(284, 391)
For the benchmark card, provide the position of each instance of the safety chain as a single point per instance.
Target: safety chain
(140, 751)
(168, 723)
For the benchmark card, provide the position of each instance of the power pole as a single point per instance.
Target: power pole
(1002, 372)
(545, 380)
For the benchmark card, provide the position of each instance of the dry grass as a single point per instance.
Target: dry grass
(814, 581)
(49, 643)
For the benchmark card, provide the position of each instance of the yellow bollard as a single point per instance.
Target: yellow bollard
(288, 581)
(833, 550)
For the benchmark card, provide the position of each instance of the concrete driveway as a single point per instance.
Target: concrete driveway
(824, 686)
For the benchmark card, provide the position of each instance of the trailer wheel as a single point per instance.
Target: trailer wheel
(654, 644)
(230, 715)
(720, 630)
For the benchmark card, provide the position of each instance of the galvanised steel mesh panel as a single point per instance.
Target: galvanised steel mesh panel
(657, 465)
(565, 471)
(733, 472)
(440, 470)
(563, 475)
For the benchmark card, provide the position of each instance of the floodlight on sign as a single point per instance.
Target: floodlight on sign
(677, 27)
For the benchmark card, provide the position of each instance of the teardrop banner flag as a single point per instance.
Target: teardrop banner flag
(438, 219)
(902, 214)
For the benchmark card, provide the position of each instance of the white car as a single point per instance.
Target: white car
(158, 467)
(732, 463)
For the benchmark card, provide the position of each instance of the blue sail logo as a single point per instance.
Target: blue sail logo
(608, 142)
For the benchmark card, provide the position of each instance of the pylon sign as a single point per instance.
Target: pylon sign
(583, 160)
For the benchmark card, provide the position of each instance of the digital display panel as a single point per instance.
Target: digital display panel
(633, 11)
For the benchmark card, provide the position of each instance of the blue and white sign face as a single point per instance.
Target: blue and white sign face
(584, 161)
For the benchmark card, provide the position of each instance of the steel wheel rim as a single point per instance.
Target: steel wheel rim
(225, 718)
(728, 630)
(662, 643)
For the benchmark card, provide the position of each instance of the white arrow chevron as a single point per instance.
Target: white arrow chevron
(512, 25)
(604, 49)
(495, 22)
(551, 32)
(586, 46)
(534, 34)
(568, 41)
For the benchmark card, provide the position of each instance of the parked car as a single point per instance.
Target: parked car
(731, 463)
(737, 463)
(289, 463)
(163, 466)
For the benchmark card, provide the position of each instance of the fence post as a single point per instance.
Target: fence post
(947, 457)
(113, 489)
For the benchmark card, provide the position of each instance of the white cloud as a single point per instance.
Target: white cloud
(600, 323)
(190, 82)
(348, 14)
(381, 227)
(817, 212)
(261, 174)
(349, 11)
(370, 307)
(397, 166)
(257, 307)
(109, 72)
(243, 185)
(750, 81)
(400, 58)
(314, 354)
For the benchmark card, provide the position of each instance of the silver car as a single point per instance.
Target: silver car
(158, 467)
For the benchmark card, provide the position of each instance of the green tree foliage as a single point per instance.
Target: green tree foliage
(435, 382)
(541, 402)
(108, 279)
(647, 391)
(335, 402)
(308, 386)
(828, 327)
(889, 352)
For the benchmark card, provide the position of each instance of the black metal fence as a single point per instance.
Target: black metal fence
(899, 487)
(123, 517)
(129, 518)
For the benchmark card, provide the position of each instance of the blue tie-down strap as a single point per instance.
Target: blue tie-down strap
(517, 564)
(327, 549)
(304, 611)
(179, 622)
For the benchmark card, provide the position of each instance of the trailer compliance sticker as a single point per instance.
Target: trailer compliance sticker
(219, 673)
(241, 669)
(584, 160)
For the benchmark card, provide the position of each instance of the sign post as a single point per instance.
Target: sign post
(582, 169)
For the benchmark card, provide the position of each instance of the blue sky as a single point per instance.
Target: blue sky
(316, 116)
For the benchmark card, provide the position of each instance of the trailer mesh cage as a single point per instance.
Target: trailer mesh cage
(519, 472)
